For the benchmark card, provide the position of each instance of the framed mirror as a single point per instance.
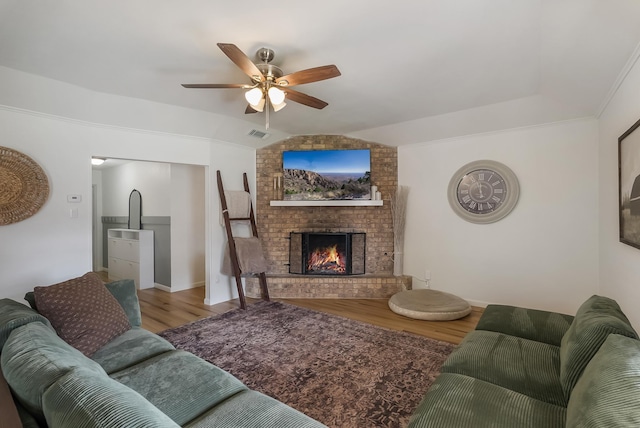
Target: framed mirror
(135, 210)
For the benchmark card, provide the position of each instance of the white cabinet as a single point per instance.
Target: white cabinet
(130, 255)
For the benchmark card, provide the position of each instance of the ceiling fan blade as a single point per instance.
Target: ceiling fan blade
(241, 60)
(305, 99)
(250, 109)
(309, 75)
(215, 85)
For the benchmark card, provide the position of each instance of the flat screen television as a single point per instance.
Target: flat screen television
(316, 175)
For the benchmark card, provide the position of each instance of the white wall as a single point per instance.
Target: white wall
(544, 254)
(187, 227)
(151, 179)
(619, 263)
(96, 180)
(50, 246)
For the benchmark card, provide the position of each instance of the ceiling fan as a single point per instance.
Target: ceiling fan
(268, 83)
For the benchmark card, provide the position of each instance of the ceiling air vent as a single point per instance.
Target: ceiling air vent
(258, 134)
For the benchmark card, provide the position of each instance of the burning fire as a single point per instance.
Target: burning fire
(326, 260)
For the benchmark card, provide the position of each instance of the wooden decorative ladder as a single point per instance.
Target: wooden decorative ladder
(233, 255)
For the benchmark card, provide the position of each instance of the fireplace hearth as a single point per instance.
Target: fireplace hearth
(327, 253)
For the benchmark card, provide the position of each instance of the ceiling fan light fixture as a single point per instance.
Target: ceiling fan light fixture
(254, 96)
(258, 107)
(276, 96)
(278, 107)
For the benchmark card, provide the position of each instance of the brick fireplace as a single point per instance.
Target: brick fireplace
(275, 224)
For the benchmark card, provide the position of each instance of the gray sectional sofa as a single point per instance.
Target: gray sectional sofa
(137, 379)
(526, 368)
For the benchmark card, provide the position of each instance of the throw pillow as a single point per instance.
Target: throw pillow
(126, 294)
(31, 300)
(83, 312)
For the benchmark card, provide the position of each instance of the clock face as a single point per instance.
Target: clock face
(482, 191)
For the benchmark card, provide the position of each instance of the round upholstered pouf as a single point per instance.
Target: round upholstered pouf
(431, 305)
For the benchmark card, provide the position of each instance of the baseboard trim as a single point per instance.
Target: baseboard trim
(162, 287)
(174, 289)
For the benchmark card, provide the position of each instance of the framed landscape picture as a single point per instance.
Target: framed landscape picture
(629, 185)
(316, 175)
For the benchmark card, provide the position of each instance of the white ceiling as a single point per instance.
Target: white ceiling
(406, 65)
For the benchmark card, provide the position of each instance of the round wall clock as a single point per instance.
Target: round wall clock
(483, 191)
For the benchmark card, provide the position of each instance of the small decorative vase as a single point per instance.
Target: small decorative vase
(398, 260)
(277, 188)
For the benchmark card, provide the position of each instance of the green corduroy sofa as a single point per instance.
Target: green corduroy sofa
(527, 368)
(136, 380)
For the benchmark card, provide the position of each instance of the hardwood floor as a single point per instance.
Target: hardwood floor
(162, 310)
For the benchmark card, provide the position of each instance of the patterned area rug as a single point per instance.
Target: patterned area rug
(340, 372)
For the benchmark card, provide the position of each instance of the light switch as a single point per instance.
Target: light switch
(73, 213)
(74, 198)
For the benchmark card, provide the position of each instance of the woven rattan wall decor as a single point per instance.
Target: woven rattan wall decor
(24, 187)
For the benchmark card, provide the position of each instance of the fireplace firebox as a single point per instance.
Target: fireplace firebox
(327, 253)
